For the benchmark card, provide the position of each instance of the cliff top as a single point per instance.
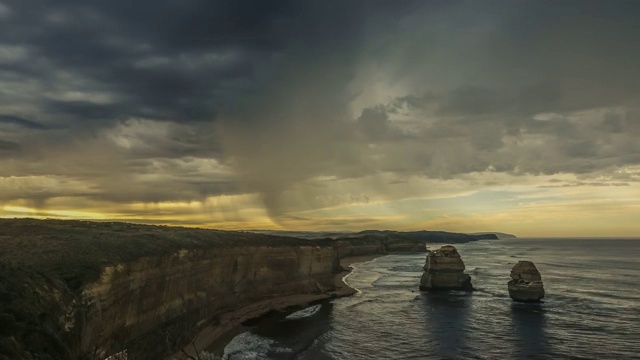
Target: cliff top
(79, 249)
(498, 235)
(427, 236)
(446, 250)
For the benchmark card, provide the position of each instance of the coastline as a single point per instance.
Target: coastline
(231, 323)
(350, 260)
(146, 291)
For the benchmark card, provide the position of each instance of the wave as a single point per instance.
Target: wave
(249, 346)
(304, 313)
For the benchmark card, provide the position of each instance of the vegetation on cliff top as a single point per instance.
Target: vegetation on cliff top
(78, 250)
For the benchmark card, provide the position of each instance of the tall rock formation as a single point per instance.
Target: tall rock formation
(444, 270)
(526, 283)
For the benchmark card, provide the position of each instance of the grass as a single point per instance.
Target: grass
(78, 250)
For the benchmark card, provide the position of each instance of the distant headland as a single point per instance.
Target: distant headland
(499, 235)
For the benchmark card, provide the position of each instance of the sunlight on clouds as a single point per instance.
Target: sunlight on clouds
(520, 205)
(19, 211)
(378, 118)
(221, 212)
(548, 117)
(137, 132)
(92, 97)
(633, 170)
(587, 211)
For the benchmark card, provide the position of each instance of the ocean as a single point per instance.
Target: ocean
(591, 309)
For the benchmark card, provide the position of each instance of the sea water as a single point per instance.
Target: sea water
(591, 309)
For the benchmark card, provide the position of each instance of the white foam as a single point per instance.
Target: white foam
(249, 346)
(310, 311)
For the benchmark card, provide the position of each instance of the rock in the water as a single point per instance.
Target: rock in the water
(444, 270)
(526, 283)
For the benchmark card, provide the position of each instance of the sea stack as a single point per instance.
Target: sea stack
(526, 283)
(444, 270)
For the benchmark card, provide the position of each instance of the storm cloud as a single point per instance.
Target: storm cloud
(310, 105)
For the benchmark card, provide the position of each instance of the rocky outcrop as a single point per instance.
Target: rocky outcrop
(444, 270)
(526, 283)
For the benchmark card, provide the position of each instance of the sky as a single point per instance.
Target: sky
(512, 116)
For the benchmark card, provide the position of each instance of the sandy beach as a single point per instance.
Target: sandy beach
(231, 323)
(348, 261)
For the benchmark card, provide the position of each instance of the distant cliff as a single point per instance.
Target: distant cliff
(494, 235)
(86, 290)
(411, 236)
(387, 241)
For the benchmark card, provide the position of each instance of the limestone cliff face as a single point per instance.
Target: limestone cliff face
(379, 243)
(346, 248)
(77, 301)
(526, 271)
(526, 283)
(138, 305)
(444, 270)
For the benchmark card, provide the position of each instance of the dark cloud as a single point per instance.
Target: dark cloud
(82, 111)
(16, 120)
(471, 100)
(8, 146)
(179, 100)
(612, 123)
(580, 149)
(178, 61)
(374, 123)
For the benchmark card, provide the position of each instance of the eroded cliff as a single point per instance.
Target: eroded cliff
(74, 294)
(172, 297)
(86, 290)
(384, 242)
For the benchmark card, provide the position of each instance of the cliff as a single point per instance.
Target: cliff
(388, 236)
(493, 236)
(86, 290)
(80, 290)
(387, 241)
(369, 242)
(422, 236)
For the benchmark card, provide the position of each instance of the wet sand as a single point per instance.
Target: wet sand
(348, 261)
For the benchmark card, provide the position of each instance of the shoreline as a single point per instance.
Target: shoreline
(231, 322)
